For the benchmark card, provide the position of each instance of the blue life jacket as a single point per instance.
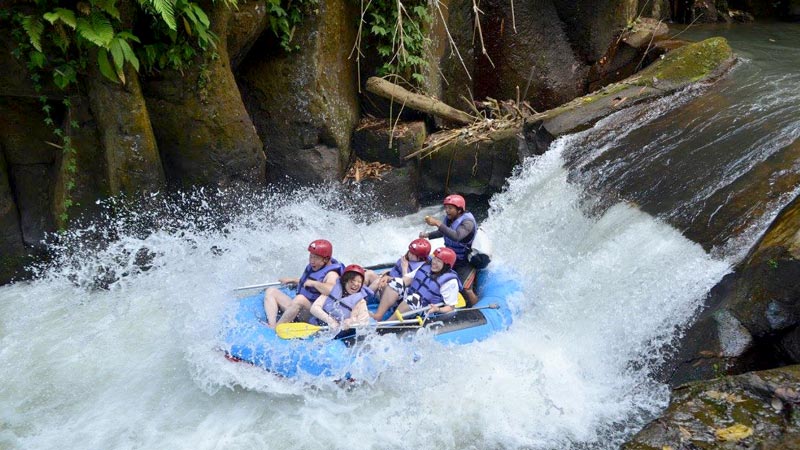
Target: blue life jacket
(462, 247)
(428, 285)
(311, 293)
(397, 270)
(339, 306)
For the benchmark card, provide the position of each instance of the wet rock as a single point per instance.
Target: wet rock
(12, 249)
(761, 305)
(132, 159)
(793, 10)
(395, 192)
(544, 75)
(451, 65)
(379, 140)
(317, 164)
(23, 132)
(593, 26)
(33, 200)
(757, 410)
(305, 101)
(628, 53)
(89, 181)
(656, 9)
(702, 61)
(246, 24)
(705, 11)
(473, 167)
(204, 133)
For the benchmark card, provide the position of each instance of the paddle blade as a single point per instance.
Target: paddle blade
(296, 330)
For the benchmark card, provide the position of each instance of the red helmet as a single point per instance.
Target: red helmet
(447, 255)
(354, 268)
(321, 247)
(455, 200)
(420, 248)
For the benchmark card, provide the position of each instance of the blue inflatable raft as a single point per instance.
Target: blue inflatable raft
(248, 339)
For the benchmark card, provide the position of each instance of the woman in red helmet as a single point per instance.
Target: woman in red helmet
(318, 277)
(435, 284)
(458, 228)
(346, 305)
(418, 254)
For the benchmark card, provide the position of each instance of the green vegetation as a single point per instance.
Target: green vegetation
(396, 30)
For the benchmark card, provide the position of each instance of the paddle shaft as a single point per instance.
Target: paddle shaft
(278, 283)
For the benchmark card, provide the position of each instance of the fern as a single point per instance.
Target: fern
(60, 14)
(34, 28)
(164, 8)
(96, 29)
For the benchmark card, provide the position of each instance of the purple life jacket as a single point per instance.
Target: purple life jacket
(310, 293)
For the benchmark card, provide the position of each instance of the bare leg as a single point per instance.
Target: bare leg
(294, 307)
(388, 299)
(273, 300)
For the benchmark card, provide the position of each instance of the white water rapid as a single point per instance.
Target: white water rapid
(136, 366)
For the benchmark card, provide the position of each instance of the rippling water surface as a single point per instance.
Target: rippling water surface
(100, 353)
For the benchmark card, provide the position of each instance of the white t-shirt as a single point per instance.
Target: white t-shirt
(449, 291)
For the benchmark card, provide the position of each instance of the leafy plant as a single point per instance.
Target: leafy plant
(397, 29)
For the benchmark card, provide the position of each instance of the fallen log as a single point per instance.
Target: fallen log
(430, 105)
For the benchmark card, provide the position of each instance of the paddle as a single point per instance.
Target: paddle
(423, 309)
(278, 283)
(299, 330)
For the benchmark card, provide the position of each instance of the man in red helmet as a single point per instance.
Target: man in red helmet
(318, 278)
(418, 254)
(458, 228)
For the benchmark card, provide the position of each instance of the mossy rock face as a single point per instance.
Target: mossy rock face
(372, 139)
(753, 410)
(308, 98)
(478, 168)
(761, 301)
(687, 64)
(247, 23)
(204, 133)
(594, 25)
(23, 132)
(11, 246)
(522, 67)
(90, 180)
(132, 159)
(450, 69)
(395, 192)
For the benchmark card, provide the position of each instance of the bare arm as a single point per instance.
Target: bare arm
(319, 313)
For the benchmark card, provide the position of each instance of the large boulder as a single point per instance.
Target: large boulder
(79, 178)
(535, 62)
(470, 166)
(23, 131)
(758, 410)
(395, 192)
(304, 104)
(594, 25)
(628, 53)
(34, 197)
(203, 130)
(378, 140)
(247, 23)
(451, 63)
(11, 247)
(754, 315)
(132, 160)
(656, 9)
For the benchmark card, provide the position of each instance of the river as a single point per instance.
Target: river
(99, 353)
